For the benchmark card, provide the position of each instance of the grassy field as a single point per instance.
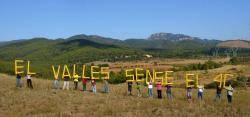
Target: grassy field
(45, 101)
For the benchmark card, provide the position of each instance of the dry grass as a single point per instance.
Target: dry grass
(44, 101)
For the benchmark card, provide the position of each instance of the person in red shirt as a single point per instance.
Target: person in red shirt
(159, 89)
(84, 84)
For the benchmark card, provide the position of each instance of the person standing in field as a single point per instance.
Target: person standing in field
(76, 81)
(159, 89)
(169, 91)
(189, 93)
(66, 82)
(200, 92)
(29, 82)
(138, 87)
(106, 86)
(56, 83)
(84, 84)
(150, 89)
(229, 93)
(18, 80)
(93, 84)
(130, 84)
(218, 93)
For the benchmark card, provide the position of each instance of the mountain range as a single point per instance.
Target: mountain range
(87, 48)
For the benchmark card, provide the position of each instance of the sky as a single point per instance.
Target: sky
(122, 19)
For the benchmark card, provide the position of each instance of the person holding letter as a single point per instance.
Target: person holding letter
(218, 92)
(76, 81)
(138, 87)
(200, 92)
(189, 93)
(66, 82)
(106, 86)
(130, 84)
(229, 93)
(18, 80)
(150, 89)
(93, 83)
(29, 82)
(159, 89)
(169, 91)
(84, 84)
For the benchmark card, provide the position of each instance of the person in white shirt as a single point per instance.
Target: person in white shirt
(200, 92)
(150, 89)
(29, 82)
(229, 93)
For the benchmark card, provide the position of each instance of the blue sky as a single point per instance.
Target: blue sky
(122, 19)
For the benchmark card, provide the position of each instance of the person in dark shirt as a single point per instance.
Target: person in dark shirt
(218, 93)
(66, 82)
(189, 93)
(169, 91)
(130, 87)
(18, 80)
(138, 87)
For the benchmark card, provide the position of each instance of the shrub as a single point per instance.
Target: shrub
(207, 65)
(116, 78)
(233, 61)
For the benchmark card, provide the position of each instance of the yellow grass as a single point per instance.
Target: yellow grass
(44, 101)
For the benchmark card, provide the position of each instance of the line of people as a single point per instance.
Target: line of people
(66, 82)
(76, 78)
(159, 88)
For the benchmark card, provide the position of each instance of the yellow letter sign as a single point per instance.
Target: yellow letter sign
(129, 76)
(94, 74)
(28, 69)
(66, 69)
(149, 76)
(83, 72)
(56, 74)
(168, 80)
(138, 76)
(105, 72)
(17, 67)
(188, 80)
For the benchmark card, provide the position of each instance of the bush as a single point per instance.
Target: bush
(207, 65)
(116, 78)
(233, 61)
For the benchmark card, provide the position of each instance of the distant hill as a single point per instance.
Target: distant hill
(234, 44)
(9, 42)
(95, 38)
(171, 37)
